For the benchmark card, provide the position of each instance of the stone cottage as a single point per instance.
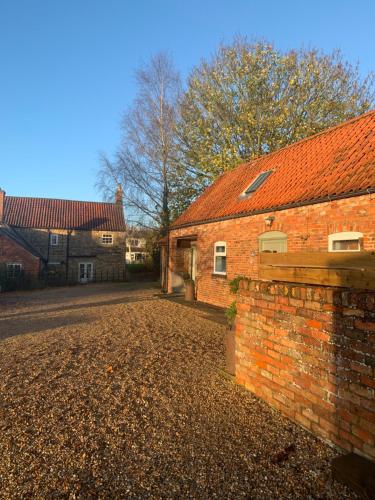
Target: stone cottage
(80, 240)
(316, 195)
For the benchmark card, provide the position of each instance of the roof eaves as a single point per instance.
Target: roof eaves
(279, 208)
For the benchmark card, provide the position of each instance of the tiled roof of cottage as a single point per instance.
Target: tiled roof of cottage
(336, 163)
(63, 214)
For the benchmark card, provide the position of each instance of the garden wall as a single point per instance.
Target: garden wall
(309, 351)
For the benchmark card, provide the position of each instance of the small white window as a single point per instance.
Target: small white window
(134, 243)
(54, 239)
(345, 242)
(220, 258)
(107, 239)
(273, 242)
(14, 270)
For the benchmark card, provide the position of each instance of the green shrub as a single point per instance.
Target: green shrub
(140, 267)
(231, 312)
(234, 285)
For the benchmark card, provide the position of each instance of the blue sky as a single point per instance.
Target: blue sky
(67, 70)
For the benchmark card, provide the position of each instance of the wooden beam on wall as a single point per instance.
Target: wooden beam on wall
(344, 269)
(330, 260)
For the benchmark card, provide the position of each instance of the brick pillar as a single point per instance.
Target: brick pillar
(119, 195)
(2, 201)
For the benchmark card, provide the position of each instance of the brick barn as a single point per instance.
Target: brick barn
(316, 195)
(77, 239)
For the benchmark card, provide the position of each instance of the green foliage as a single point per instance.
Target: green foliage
(140, 267)
(231, 312)
(252, 99)
(235, 283)
(249, 99)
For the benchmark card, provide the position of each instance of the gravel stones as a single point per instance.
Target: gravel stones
(109, 391)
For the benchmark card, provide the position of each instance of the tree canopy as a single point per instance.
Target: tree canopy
(251, 99)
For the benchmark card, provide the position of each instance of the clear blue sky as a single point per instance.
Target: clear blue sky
(67, 70)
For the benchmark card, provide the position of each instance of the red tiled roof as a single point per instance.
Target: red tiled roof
(338, 162)
(62, 214)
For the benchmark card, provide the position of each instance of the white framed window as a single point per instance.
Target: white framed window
(273, 242)
(54, 239)
(220, 257)
(107, 239)
(14, 270)
(134, 243)
(349, 241)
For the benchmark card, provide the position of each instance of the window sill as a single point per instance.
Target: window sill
(218, 275)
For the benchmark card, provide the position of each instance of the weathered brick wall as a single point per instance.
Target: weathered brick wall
(307, 229)
(310, 352)
(84, 246)
(11, 252)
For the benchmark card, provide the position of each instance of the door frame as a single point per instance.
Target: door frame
(193, 262)
(88, 278)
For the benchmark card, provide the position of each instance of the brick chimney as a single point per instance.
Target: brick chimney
(119, 195)
(2, 202)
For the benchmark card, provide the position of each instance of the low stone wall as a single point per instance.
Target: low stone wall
(309, 351)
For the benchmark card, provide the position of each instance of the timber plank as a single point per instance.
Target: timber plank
(320, 259)
(351, 278)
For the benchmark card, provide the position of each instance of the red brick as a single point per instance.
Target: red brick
(370, 382)
(314, 324)
(363, 325)
(319, 379)
(10, 252)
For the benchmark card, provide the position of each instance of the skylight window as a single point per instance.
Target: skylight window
(257, 182)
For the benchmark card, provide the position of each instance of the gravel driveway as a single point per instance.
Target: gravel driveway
(110, 391)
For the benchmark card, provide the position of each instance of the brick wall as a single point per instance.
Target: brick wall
(11, 252)
(309, 351)
(307, 229)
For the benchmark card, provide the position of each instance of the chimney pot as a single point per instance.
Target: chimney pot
(2, 202)
(119, 195)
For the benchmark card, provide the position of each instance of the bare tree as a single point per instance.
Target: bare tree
(145, 164)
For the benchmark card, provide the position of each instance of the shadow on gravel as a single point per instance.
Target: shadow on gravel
(206, 311)
(73, 307)
(13, 327)
(70, 292)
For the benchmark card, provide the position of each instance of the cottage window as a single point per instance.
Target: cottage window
(273, 242)
(107, 239)
(54, 239)
(134, 243)
(220, 257)
(14, 270)
(345, 242)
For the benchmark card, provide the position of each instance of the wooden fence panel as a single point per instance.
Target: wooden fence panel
(346, 269)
